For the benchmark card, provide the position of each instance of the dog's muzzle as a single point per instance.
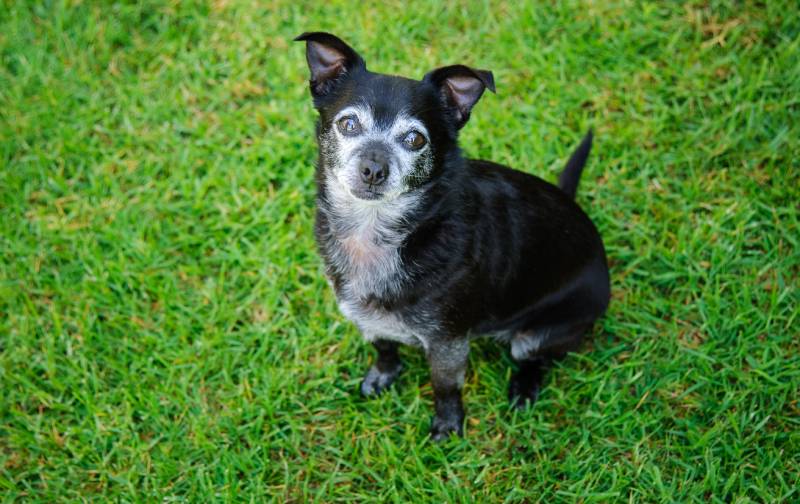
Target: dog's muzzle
(373, 171)
(374, 167)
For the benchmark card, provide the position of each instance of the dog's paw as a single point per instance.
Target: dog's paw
(523, 392)
(443, 428)
(375, 382)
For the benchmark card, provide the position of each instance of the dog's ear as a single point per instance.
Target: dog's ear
(329, 59)
(460, 88)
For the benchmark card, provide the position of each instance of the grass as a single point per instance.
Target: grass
(165, 329)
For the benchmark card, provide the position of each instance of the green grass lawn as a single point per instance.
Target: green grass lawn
(166, 332)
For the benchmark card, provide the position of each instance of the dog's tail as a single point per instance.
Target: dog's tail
(568, 181)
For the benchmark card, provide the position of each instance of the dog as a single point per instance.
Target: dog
(427, 248)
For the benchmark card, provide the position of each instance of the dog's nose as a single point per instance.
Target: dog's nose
(373, 171)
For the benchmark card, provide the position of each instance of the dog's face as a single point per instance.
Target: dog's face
(374, 146)
(382, 136)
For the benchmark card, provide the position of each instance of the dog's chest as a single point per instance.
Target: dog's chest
(378, 323)
(375, 270)
(361, 245)
(367, 264)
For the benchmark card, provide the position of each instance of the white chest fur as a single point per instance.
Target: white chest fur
(376, 323)
(366, 237)
(370, 261)
(365, 251)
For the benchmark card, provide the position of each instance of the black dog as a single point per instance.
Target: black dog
(427, 248)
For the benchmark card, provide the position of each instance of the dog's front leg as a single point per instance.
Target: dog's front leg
(448, 362)
(386, 369)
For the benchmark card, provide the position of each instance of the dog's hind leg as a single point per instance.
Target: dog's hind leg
(533, 351)
(523, 390)
(385, 371)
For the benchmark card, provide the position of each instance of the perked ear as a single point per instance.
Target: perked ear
(329, 58)
(461, 87)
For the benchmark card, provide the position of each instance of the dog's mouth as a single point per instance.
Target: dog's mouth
(366, 193)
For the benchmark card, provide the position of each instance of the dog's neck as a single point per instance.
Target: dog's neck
(364, 239)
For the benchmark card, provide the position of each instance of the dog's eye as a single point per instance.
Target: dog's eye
(349, 125)
(414, 140)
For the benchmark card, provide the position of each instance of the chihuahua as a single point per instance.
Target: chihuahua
(427, 248)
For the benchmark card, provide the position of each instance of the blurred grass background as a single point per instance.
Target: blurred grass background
(165, 329)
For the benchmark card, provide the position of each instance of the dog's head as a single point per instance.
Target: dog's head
(382, 136)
